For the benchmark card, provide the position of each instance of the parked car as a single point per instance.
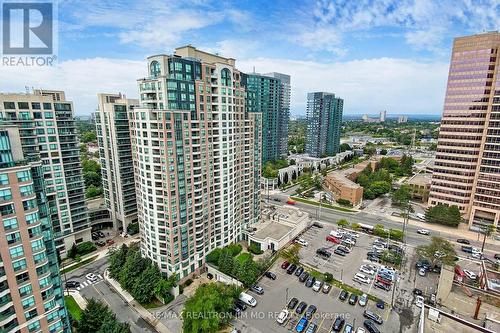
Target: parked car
(336, 234)
(240, 305)
(101, 234)
(380, 304)
(366, 270)
(338, 324)
(332, 239)
(95, 236)
(304, 276)
(470, 274)
(310, 281)
(285, 264)
(467, 249)
(282, 317)
(363, 299)
(301, 241)
(497, 256)
(373, 316)
(353, 299)
(270, 275)
(361, 278)
(418, 292)
(318, 225)
(110, 241)
(317, 285)
(422, 272)
(419, 301)
(299, 271)
(463, 241)
(326, 288)
(72, 284)
(291, 269)
(378, 247)
(344, 248)
(423, 231)
(343, 295)
(302, 324)
(311, 310)
(324, 253)
(312, 328)
(348, 328)
(370, 326)
(340, 252)
(382, 286)
(301, 307)
(292, 303)
(257, 289)
(100, 243)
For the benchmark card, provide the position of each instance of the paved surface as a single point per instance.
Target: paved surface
(101, 291)
(262, 318)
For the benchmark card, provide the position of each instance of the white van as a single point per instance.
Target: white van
(336, 234)
(361, 278)
(248, 299)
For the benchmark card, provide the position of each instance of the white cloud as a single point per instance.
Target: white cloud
(232, 48)
(370, 85)
(81, 79)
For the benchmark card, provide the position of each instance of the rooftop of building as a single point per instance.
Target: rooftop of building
(420, 179)
(341, 177)
(278, 221)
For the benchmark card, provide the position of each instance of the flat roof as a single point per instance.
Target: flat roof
(275, 230)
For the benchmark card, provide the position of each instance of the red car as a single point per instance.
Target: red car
(291, 202)
(384, 281)
(332, 239)
(285, 264)
(110, 242)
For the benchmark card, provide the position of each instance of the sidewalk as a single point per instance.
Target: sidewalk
(82, 302)
(145, 314)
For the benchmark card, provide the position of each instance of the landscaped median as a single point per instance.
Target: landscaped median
(76, 265)
(323, 205)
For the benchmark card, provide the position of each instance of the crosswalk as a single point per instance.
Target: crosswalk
(87, 282)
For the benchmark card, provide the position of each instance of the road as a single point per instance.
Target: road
(412, 238)
(102, 291)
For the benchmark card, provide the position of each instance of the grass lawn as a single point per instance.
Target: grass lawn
(73, 307)
(323, 205)
(80, 264)
(153, 304)
(243, 257)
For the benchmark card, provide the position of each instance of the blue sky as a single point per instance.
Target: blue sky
(377, 55)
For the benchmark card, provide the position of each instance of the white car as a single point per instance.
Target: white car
(363, 299)
(476, 250)
(470, 274)
(302, 242)
(362, 278)
(91, 277)
(478, 256)
(360, 330)
(282, 316)
(419, 301)
(422, 272)
(336, 234)
(317, 285)
(378, 247)
(349, 241)
(439, 254)
(423, 231)
(366, 270)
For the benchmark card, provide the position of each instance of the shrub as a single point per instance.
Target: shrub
(133, 228)
(255, 249)
(235, 249)
(188, 283)
(85, 247)
(344, 202)
(213, 257)
(328, 277)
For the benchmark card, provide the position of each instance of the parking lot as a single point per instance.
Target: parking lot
(278, 292)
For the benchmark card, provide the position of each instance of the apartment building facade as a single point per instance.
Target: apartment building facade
(31, 294)
(115, 152)
(324, 119)
(467, 165)
(48, 132)
(269, 94)
(197, 158)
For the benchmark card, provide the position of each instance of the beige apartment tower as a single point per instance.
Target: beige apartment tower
(467, 166)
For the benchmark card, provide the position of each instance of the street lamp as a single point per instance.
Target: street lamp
(286, 299)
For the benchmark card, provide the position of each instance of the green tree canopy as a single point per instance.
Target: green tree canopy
(97, 317)
(445, 215)
(439, 250)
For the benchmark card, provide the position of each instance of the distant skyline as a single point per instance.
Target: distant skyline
(377, 55)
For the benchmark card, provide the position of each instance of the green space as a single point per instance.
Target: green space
(438, 251)
(323, 205)
(445, 215)
(139, 276)
(98, 318)
(270, 169)
(207, 310)
(76, 251)
(78, 265)
(240, 266)
(297, 136)
(74, 310)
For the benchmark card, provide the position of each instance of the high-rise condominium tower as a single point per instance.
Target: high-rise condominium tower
(324, 118)
(48, 133)
(467, 166)
(269, 94)
(115, 151)
(196, 152)
(31, 296)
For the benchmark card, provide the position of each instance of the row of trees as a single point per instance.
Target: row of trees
(210, 308)
(98, 318)
(242, 267)
(445, 215)
(91, 174)
(139, 276)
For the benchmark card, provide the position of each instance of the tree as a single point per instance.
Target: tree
(369, 150)
(445, 215)
(91, 165)
(391, 257)
(439, 250)
(134, 266)
(92, 178)
(117, 259)
(144, 286)
(433, 146)
(246, 271)
(487, 231)
(402, 196)
(164, 286)
(355, 226)
(345, 147)
(226, 261)
(73, 251)
(97, 317)
(291, 254)
(88, 137)
(206, 311)
(113, 326)
(383, 151)
(342, 223)
(93, 191)
(344, 202)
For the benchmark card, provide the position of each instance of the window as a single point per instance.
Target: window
(16, 251)
(31, 218)
(23, 105)
(37, 245)
(47, 106)
(5, 194)
(44, 282)
(62, 106)
(7, 209)
(26, 190)
(29, 204)
(9, 224)
(9, 105)
(25, 290)
(13, 238)
(225, 77)
(28, 302)
(23, 176)
(35, 106)
(35, 326)
(154, 69)
(48, 115)
(4, 179)
(19, 265)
